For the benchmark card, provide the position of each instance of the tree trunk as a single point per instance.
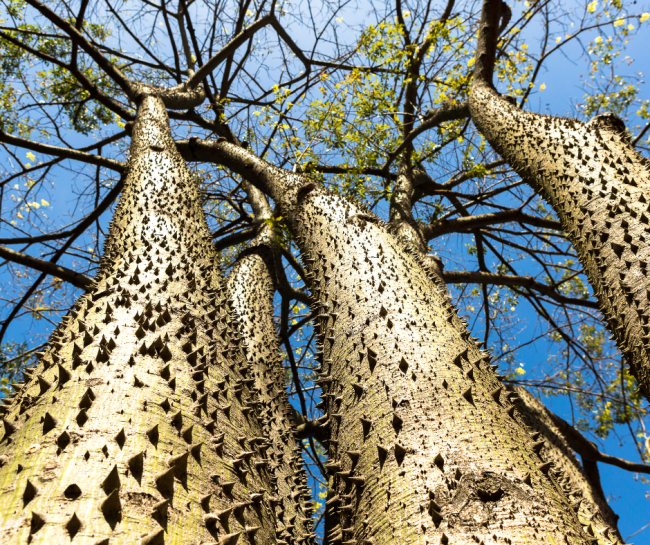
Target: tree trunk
(251, 285)
(425, 447)
(586, 496)
(139, 423)
(598, 185)
(403, 223)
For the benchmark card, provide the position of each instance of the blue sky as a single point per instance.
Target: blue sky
(562, 91)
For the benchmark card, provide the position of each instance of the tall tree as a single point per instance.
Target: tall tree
(252, 284)
(140, 418)
(405, 465)
(405, 390)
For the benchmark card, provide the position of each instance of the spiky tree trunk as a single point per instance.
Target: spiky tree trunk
(586, 495)
(598, 185)
(425, 447)
(139, 424)
(408, 397)
(252, 285)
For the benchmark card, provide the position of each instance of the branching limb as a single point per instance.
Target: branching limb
(238, 237)
(194, 80)
(433, 118)
(306, 428)
(268, 178)
(80, 76)
(77, 232)
(82, 42)
(589, 451)
(468, 223)
(474, 277)
(68, 275)
(67, 153)
(285, 288)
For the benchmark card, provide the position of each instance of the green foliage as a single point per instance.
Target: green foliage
(24, 75)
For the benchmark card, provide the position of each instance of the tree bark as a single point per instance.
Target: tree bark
(252, 285)
(139, 423)
(400, 214)
(586, 496)
(424, 446)
(598, 185)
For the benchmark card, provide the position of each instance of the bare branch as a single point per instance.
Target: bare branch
(589, 451)
(67, 153)
(237, 237)
(68, 275)
(468, 223)
(473, 277)
(194, 80)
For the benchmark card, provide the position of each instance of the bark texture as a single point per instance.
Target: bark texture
(401, 217)
(402, 223)
(599, 186)
(586, 496)
(139, 423)
(424, 446)
(252, 286)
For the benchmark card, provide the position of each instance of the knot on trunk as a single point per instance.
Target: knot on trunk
(611, 123)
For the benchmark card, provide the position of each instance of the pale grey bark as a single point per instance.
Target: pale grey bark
(549, 432)
(140, 423)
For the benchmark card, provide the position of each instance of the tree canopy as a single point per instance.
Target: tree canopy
(370, 100)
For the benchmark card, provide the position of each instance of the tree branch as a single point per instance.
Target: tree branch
(266, 177)
(194, 80)
(486, 47)
(237, 237)
(473, 277)
(433, 118)
(589, 452)
(468, 223)
(80, 76)
(90, 218)
(66, 153)
(80, 40)
(68, 275)
(306, 428)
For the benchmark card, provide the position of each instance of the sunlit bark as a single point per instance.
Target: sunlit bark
(425, 447)
(598, 185)
(140, 423)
